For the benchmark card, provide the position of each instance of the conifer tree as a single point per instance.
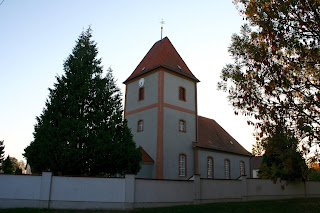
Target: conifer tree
(81, 130)
(7, 166)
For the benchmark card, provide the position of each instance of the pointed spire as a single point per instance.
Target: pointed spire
(162, 54)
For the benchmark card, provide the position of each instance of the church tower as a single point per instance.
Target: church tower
(161, 109)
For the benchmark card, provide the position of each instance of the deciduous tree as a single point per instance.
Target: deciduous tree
(314, 174)
(258, 149)
(282, 160)
(18, 166)
(81, 130)
(275, 74)
(275, 78)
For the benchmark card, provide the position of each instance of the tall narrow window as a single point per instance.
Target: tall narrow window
(140, 126)
(182, 165)
(182, 94)
(182, 125)
(210, 167)
(242, 168)
(227, 169)
(141, 94)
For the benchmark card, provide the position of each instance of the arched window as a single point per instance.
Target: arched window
(182, 125)
(141, 94)
(227, 169)
(210, 167)
(140, 126)
(182, 165)
(242, 168)
(182, 94)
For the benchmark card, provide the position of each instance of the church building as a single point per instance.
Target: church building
(161, 109)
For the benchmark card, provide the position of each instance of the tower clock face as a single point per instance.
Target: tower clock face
(141, 82)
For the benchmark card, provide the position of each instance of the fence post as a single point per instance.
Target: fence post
(196, 189)
(129, 190)
(244, 188)
(45, 189)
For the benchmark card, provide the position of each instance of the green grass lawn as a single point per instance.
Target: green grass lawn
(296, 205)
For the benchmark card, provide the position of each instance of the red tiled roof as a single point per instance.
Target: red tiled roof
(212, 136)
(162, 54)
(145, 157)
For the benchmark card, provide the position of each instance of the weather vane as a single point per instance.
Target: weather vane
(162, 23)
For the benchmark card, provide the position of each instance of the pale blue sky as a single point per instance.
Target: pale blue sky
(37, 36)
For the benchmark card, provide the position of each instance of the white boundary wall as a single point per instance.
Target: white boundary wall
(151, 193)
(47, 191)
(220, 190)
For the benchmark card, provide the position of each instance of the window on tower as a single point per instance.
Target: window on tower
(182, 94)
(141, 94)
(140, 126)
(182, 125)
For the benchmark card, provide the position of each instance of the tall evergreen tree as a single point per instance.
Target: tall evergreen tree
(1, 153)
(7, 166)
(81, 130)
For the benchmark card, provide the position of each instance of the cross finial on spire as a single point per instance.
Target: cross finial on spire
(162, 23)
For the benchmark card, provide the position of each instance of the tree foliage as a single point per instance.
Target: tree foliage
(1, 153)
(281, 159)
(11, 165)
(81, 130)
(258, 148)
(7, 166)
(275, 78)
(314, 174)
(18, 166)
(275, 75)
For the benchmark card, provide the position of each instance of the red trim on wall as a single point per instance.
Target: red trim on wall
(159, 156)
(142, 109)
(160, 121)
(179, 75)
(179, 108)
